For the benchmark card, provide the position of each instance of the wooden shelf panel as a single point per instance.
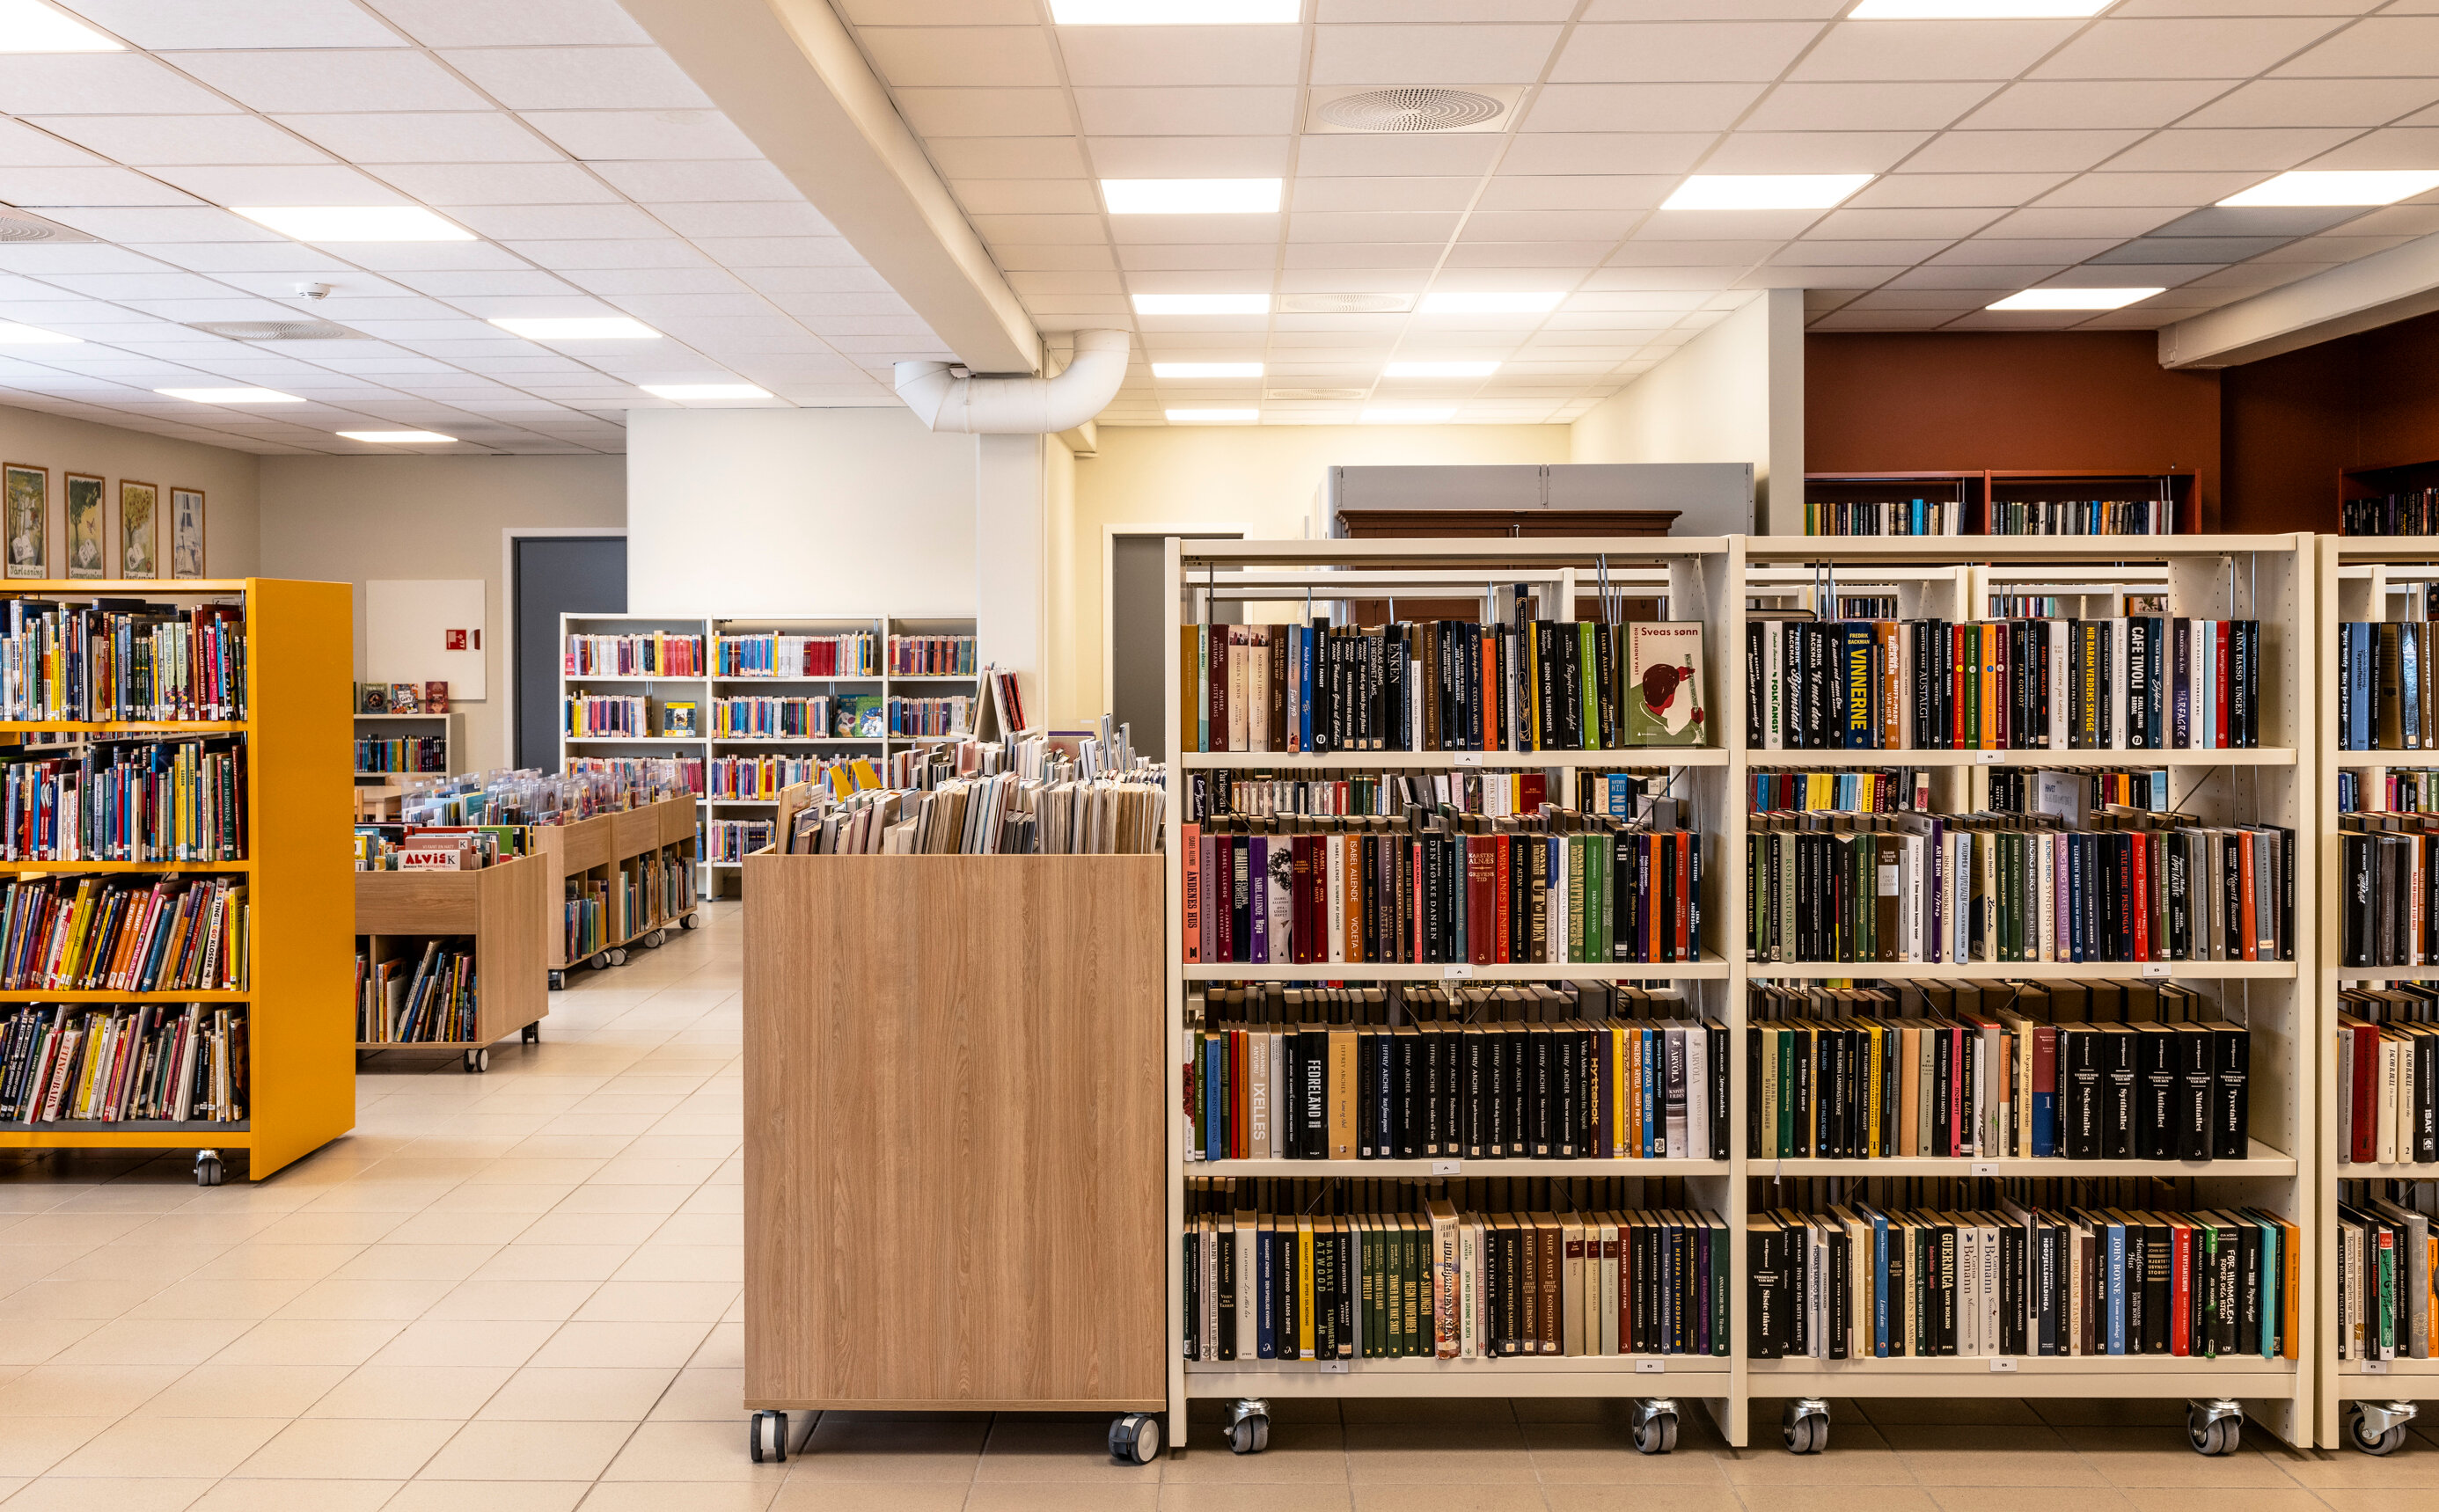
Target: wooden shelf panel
(2353, 1370)
(2262, 1161)
(1351, 1170)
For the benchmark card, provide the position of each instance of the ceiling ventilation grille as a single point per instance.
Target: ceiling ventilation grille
(1346, 303)
(278, 331)
(1316, 393)
(1410, 109)
(17, 229)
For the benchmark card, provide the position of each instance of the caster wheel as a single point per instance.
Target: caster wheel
(207, 1170)
(618, 955)
(2215, 1436)
(600, 961)
(2376, 1444)
(1134, 1440)
(559, 981)
(533, 1034)
(766, 1437)
(1250, 1435)
(1804, 1433)
(1656, 1434)
(478, 1060)
(690, 921)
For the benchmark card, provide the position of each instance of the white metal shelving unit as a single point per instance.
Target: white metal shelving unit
(1712, 579)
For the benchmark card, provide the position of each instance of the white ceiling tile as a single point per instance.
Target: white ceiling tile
(1562, 191)
(1418, 256)
(1684, 53)
(1183, 157)
(390, 257)
(2032, 152)
(442, 284)
(973, 112)
(1639, 107)
(2398, 147)
(1521, 255)
(1903, 190)
(1345, 194)
(282, 257)
(1946, 224)
(557, 222)
(41, 188)
(166, 284)
(1006, 157)
(2115, 223)
(1723, 253)
(1322, 225)
(777, 252)
(497, 183)
(1476, 54)
(2403, 220)
(1242, 259)
(2218, 48)
(524, 24)
(1260, 229)
(2291, 102)
(307, 81)
(663, 183)
(1551, 225)
(611, 253)
(1880, 320)
(22, 145)
(663, 135)
(1221, 112)
(256, 23)
(1911, 50)
(1858, 251)
(1039, 228)
(2048, 105)
(1074, 196)
(1568, 152)
(2380, 48)
(1863, 107)
(1811, 151)
(1985, 250)
(526, 79)
(143, 141)
(752, 217)
(2147, 188)
(769, 281)
(99, 83)
(270, 184)
(456, 136)
(1173, 55)
(2258, 150)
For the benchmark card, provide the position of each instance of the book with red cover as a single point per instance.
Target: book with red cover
(1503, 890)
(2365, 1125)
(2139, 891)
(1191, 926)
(1481, 877)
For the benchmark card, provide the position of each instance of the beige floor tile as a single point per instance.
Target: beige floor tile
(321, 1226)
(415, 1262)
(458, 1342)
(515, 1301)
(2162, 1457)
(32, 1341)
(245, 1391)
(2025, 1498)
(83, 1390)
(493, 1496)
(338, 1298)
(703, 1394)
(1220, 1495)
(693, 1451)
(592, 1393)
(2414, 1466)
(1987, 1454)
(1857, 1456)
(348, 1448)
(2234, 1499)
(662, 1200)
(1797, 1496)
(1456, 1496)
(526, 1261)
(1444, 1452)
(308, 1341)
(183, 1446)
(79, 1493)
(154, 1342)
(307, 1262)
(576, 1226)
(1457, 1412)
(412, 1391)
(297, 1496)
(693, 1496)
(1141, 1495)
(29, 1445)
(460, 1228)
(1300, 1454)
(662, 1261)
(1882, 1412)
(2356, 1499)
(565, 1174)
(528, 1452)
(1595, 1453)
(636, 1344)
(700, 1228)
(1027, 1446)
(140, 1259)
(723, 1348)
(503, 1197)
(70, 1296)
(250, 1298)
(1637, 1496)
(659, 1302)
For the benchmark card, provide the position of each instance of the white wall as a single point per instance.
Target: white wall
(230, 481)
(1733, 394)
(349, 519)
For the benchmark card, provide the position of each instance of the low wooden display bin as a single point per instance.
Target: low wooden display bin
(505, 910)
(597, 850)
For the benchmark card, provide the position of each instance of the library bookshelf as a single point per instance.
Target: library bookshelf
(448, 727)
(1975, 491)
(1717, 580)
(617, 850)
(505, 910)
(301, 1064)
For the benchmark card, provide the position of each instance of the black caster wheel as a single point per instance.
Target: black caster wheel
(2212, 1436)
(1134, 1440)
(533, 1034)
(691, 922)
(766, 1437)
(1250, 1435)
(600, 961)
(478, 1060)
(559, 981)
(617, 955)
(2382, 1439)
(1656, 1434)
(208, 1169)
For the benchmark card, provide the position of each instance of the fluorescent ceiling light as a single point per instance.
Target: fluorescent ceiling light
(1191, 196)
(1206, 369)
(686, 391)
(1764, 191)
(1212, 416)
(2072, 299)
(1202, 304)
(397, 437)
(577, 328)
(13, 335)
(28, 25)
(231, 396)
(1975, 10)
(1440, 369)
(1176, 12)
(2366, 187)
(1463, 303)
(355, 222)
(1405, 417)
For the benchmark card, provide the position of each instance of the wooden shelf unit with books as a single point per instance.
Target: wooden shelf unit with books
(600, 849)
(1972, 498)
(505, 912)
(1715, 581)
(299, 1067)
(448, 727)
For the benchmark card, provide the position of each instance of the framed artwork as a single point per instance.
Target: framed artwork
(25, 497)
(185, 532)
(138, 509)
(87, 557)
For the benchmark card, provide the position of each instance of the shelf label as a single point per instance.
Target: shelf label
(1988, 758)
(1465, 758)
(1651, 1367)
(1448, 1167)
(2375, 1367)
(1454, 971)
(2155, 968)
(1335, 1367)
(2002, 1365)
(1986, 1168)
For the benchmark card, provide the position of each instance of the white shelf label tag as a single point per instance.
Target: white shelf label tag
(1335, 1367)
(1986, 1168)
(2003, 1366)
(1448, 1167)
(2375, 1367)
(1651, 1367)
(2153, 969)
(1456, 969)
(1988, 758)
(1466, 759)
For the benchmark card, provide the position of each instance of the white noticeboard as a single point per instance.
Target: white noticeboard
(425, 630)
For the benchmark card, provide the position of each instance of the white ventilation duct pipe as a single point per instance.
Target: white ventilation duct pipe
(1020, 406)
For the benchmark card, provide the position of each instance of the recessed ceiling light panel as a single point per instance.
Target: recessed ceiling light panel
(696, 391)
(577, 328)
(354, 222)
(2074, 298)
(13, 334)
(2367, 186)
(1206, 369)
(1976, 9)
(29, 26)
(1202, 304)
(1476, 302)
(231, 396)
(1441, 369)
(1191, 196)
(1764, 191)
(398, 437)
(1212, 416)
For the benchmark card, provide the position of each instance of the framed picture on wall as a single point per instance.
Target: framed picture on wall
(185, 532)
(26, 500)
(138, 512)
(86, 554)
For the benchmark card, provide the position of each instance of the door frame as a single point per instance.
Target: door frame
(508, 536)
(1224, 529)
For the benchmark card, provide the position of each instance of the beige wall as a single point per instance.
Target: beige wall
(352, 518)
(1264, 478)
(229, 480)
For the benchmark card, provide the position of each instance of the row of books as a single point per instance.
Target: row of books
(1008, 698)
(735, 839)
(387, 846)
(2387, 911)
(852, 654)
(1918, 889)
(413, 753)
(1442, 684)
(1000, 815)
(932, 656)
(759, 778)
(2405, 513)
(152, 1062)
(2398, 791)
(1558, 887)
(938, 719)
(651, 654)
(585, 917)
(2387, 1081)
(427, 999)
(2081, 517)
(2386, 699)
(819, 717)
(127, 800)
(1861, 1280)
(402, 698)
(1853, 1075)
(123, 933)
(74, 662)
(1885, 517)
(2142, 683)
(2387, 1259)
(1434, 1270)
(614, 715)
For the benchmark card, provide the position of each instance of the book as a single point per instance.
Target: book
(1662, 693)
(436, 697)
(677, 719)
(134, 1063)
(406, 698)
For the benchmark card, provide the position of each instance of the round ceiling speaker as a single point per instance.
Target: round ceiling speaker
(18, 227)
(1410, 109)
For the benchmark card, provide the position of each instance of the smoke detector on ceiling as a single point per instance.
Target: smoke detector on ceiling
(277, 330)
(1346, 303)
(19, 228)
(1411, 108)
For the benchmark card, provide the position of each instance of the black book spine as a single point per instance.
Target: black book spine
(2231, 1121)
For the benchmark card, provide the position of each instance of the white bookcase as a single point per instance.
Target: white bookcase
(449, 726)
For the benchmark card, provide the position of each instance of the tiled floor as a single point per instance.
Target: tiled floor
(519, 1292)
